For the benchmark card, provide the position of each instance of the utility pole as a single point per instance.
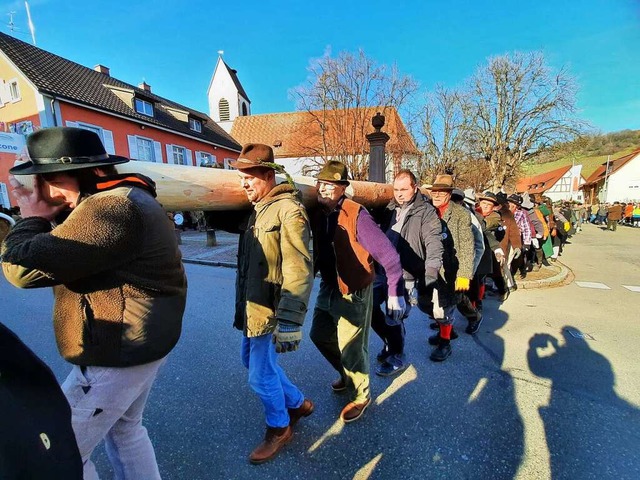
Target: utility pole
(606, 180)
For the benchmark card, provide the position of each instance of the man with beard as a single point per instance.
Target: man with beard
(346, 241)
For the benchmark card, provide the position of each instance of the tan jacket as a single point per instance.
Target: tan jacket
(275, 275)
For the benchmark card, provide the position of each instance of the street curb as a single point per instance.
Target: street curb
(209, 263)
(563, 277)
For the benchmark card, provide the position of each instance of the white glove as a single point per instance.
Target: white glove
(499, 256)
(396, 307)
(534, 242)
(516, 253)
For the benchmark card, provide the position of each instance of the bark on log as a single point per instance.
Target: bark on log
(183, 188)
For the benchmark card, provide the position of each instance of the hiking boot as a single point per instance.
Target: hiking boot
(339, 385)
(474, 326)
(435, 339)
(303, 410)
(274, 440)
(393, 366)
(441, 353)
(353, 411)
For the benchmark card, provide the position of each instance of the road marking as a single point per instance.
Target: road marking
(597, 285)
(632, 288)
(476, 391)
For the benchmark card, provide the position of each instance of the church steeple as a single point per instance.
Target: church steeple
(227, 97)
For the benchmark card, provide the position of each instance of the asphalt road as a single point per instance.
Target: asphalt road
(549, 388)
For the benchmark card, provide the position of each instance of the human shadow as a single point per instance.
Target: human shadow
(455, 419)
(591, 432)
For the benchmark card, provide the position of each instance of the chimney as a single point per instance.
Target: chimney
(102, 69)
(145, 86)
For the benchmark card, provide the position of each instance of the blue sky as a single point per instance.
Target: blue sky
(173, 44)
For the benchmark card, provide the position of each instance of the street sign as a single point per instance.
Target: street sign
(11, 142)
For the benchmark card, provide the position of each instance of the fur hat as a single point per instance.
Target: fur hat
(335, 172)
(443, 182)
(254, 155)
(61, 149)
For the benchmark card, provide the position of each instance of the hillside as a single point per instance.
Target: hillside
(589, 151)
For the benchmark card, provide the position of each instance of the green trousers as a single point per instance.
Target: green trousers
(340, 331)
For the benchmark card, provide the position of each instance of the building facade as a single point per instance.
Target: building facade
(39, 90)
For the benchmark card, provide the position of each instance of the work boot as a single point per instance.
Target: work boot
(303, 410)
(339, 385)
(443, 351)
(274, 440)
(353, 411)
(383, 355)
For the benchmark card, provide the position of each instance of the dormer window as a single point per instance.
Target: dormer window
(195, 125)
(143, 107)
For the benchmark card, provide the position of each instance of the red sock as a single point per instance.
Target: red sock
(445, 332)
(481, 291)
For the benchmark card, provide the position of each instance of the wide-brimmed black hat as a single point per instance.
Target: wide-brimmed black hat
(335, 172)
(60, 149)
(515, 198)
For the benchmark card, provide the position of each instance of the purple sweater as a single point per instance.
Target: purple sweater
(382, 250)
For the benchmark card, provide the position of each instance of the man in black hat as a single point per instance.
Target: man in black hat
(119, 286)
(521, 261)
(272, 292)
(346, 241)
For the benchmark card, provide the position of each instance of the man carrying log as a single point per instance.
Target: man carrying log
(272, 293)
(346, 240)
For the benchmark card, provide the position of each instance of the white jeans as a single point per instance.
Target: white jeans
(107, 403)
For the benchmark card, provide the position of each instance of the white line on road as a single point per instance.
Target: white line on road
(597, 285)
(632, 288)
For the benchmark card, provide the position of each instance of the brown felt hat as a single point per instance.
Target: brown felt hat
(254, 155)
(490, 196)
(443, 182)
(60, 149)
(335, 172)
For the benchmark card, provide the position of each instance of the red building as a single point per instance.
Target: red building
(39, 89)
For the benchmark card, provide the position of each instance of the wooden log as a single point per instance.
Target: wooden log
(186, 188)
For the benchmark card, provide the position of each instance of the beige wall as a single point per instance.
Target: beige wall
(27, 106)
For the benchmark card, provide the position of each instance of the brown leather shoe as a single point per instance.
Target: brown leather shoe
(339, 385)
(353, 411)
(303, 410)
(274, 440)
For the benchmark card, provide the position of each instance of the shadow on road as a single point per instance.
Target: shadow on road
(597, 434)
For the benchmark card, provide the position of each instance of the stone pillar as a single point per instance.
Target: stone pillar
(211, 238)
(377, 141)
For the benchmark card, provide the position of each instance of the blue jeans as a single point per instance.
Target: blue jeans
(107, 403)
(269, 381)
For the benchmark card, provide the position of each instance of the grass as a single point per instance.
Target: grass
(589, 164)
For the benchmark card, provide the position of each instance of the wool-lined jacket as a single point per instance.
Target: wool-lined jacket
(275, 274)
(116, 272)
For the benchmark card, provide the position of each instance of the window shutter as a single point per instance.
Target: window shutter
(188, 160)
(71, 124)
(108, 142)
(170, 158)
(133, 147)
(157, 147)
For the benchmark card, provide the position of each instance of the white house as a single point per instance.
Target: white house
(615, 181)
(560, 184)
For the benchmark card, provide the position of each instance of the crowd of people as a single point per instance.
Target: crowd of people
(104, 243)
(613, 214)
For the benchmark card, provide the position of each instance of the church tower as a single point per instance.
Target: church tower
(227, 98)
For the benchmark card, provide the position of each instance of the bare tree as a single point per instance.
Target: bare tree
(445, 124)
(520, 107)
(341, 95)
